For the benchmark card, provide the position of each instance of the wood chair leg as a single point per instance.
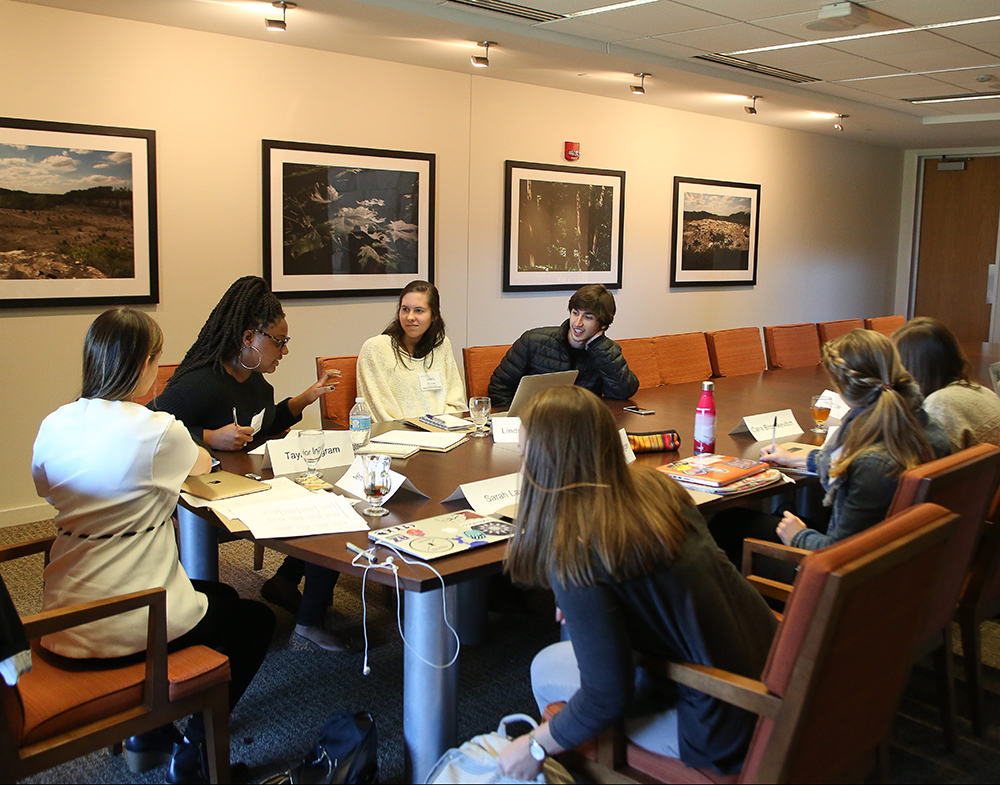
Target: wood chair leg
(217, 736)
(258, 555)
(972, 647)
(944, 668)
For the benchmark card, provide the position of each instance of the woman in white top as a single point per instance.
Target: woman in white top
(113, 470)
(969, 413)
(410, 369)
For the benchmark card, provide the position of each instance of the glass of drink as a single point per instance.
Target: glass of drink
(378, 483)
(479, 409)
(311, 446)
(820, 412)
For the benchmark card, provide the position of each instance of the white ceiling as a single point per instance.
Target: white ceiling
(867, 78)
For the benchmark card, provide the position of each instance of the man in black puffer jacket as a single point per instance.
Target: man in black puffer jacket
(578, 343)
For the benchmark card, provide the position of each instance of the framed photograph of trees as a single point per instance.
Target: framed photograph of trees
(346, 221)
(714, 233)
(563, 227)
(77, 215)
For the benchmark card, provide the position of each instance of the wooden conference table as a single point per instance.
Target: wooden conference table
(430, 694)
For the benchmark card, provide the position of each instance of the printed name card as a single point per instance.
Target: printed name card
(629, 452)
(488, 496)
(761, 426)
(353, 482)
(838, 407)
(506, 430)
(284, 457)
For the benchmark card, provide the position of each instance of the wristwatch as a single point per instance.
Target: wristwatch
(537, 750)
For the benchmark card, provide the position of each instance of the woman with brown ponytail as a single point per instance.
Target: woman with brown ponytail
(885, 433)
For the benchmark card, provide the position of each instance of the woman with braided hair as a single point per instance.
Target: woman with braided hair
(219, 389)
(885, 433)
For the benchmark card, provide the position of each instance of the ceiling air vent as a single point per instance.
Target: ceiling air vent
(508, 9)
(757, 68)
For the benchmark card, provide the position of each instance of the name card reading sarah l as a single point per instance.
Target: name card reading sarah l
(488, 496)
(761, 426)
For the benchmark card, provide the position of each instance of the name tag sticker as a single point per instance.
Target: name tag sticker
(430, 380)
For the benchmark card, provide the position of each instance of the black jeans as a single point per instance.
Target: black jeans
(316, 594)
(240, 629)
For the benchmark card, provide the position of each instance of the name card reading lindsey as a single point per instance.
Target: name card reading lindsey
(761, 426)
(488, 496)
(284, 457)
(505, 430)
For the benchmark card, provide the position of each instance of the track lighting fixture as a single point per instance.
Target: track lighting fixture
(483, 61)
(639, 89)
(279, 24)
(753, 108)
(839, 125)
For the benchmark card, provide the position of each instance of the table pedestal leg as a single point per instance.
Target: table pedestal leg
(430, 695)
(199, 546)
(473, 613)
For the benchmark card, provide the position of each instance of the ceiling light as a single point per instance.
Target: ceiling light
(858, 36)
(838, 16)
(752, 110)
(279, 24)
(839, 125)
(483, 61)
(604, 8)
(639, 89)
(945, 99)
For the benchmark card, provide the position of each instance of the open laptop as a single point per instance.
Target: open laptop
(530, 386)
(444, 535)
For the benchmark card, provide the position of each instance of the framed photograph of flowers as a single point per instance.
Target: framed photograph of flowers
(77, 215)
(563, 227)
(714, 233)
(346, 221)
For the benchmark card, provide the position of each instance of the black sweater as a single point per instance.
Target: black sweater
(203, 399)
(601, 365)
(699, 609)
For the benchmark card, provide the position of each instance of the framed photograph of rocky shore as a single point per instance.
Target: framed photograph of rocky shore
(714, 233)
(346, 221)
(563, 227)
(77, 215)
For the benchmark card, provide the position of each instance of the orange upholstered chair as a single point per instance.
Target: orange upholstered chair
(335, 407)
(162, 377)
(830, 330)
(641, 358)
(886, 325)
(480, 363)
(66, 708)
(735, 352)
(792, 345)
(837, 667)
(682, 358)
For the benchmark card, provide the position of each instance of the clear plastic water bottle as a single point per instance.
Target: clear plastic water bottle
(361, 424)
(704, 420)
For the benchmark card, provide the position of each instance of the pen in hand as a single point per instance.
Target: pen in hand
(236, 420)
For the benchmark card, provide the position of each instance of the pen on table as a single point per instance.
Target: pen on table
(774, 431)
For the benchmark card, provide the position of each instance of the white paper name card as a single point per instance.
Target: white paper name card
(353, 482)
(629, 452)
(838, 407)
(488, 496)
(506, 430)
(761, 426)
(284, 456)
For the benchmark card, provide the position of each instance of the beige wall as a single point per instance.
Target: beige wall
(829, 206)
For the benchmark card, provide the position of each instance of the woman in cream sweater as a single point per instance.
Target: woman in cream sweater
(410, 370)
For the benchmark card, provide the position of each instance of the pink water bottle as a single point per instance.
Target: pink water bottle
(704, 420)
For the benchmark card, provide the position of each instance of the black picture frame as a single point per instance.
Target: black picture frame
(545, 207)
(709, 247)
(346, 221)
(77, 215)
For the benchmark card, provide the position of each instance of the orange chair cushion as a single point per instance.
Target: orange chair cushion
(60, 694)
(830, 330)
(792, 345)
(336, 406)
(735, 352)
(641, 358)
(480, 363)
(162, 377)
(886, 325)
(682, 358)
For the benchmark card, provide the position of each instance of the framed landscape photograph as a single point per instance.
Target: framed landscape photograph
(714, 233)
(77, 215)
(563, 227)
(346, 221)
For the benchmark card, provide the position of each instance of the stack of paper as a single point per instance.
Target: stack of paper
(325, 513)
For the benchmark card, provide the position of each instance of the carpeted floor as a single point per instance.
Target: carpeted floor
(299, 685)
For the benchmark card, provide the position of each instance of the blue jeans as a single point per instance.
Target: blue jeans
(556, 677)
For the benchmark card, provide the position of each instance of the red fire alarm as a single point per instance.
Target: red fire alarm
(572, 151)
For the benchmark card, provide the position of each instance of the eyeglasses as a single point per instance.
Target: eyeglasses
(281, 343)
